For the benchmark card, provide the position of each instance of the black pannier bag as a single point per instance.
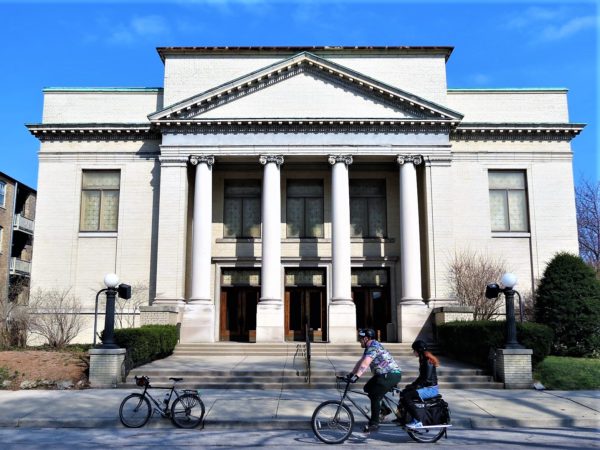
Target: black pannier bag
(434, 411)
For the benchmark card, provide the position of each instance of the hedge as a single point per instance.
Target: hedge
(471, 341)
(147, 343)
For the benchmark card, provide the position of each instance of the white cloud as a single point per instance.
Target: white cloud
(480, 79)
(149, 25)
(573, 26)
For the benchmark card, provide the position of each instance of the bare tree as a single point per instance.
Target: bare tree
(469, 273)
(14, 317)
(587, 200)
(56, 316)
(127, 310)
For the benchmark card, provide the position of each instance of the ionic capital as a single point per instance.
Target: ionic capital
(346, 159)
(265, 159)
(209, 160)
(415, 159)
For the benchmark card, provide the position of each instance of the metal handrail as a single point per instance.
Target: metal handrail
(307, 339)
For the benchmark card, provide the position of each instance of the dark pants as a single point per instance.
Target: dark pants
(376, 388)
(409, 397)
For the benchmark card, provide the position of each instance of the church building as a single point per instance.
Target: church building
(265, 192)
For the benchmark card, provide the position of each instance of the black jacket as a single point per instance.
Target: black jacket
(427, 374)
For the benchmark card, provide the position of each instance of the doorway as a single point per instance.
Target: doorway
(238, 313)
(305, 309)
(370, 292)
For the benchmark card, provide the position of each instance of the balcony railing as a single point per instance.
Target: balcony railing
(23, 224)
(20, 267)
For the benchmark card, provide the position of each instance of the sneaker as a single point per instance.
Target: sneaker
(414, 424)
(370, 428)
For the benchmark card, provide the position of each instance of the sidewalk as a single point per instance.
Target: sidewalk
(292, 409)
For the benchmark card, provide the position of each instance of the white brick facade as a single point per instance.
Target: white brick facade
(305, 105)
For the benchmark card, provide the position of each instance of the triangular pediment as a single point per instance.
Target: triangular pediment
(305, 87)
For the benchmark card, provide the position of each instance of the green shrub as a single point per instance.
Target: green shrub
(147, 343)
(564, 373)
(471, 341)
(568, 301)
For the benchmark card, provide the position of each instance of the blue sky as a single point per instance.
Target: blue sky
(112, 43)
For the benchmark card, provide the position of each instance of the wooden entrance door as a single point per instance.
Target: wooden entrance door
(373, 309)
(238, 314)
(305, 307)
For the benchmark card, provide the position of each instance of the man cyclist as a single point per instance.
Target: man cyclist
(387, 373)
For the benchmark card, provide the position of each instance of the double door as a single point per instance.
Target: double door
(238, 313)
(305, 310)
(373, 309)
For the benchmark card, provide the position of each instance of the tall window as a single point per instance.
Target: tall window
(100, 200)
(2, 194)
(367, 208)
(508, 200)
(1, 238)
(241, 214)
(304, 211)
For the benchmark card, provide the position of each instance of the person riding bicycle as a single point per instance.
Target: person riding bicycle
(387, 373)
(425, 386)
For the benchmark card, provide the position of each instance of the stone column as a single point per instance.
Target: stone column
(413, 313)
(172, 231)
(198, 324)
(269, 314)
(342, 312)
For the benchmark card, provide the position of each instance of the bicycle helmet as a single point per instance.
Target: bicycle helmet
(419, 346)
(366, 332)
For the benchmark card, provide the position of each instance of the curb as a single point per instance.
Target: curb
(287, 424)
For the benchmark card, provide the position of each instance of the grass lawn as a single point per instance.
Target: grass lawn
(565, 373)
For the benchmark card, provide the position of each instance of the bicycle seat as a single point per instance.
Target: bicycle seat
(176, 379)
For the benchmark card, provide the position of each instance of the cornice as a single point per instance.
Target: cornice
(516, 131)
(93, 132)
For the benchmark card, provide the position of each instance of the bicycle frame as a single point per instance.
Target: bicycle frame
(163, 408)
(389, 402)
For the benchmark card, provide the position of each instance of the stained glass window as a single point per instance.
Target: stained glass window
(368, 208)
(100, 200)
(241, 213)
(304, 208)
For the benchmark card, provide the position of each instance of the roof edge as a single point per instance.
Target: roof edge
(102, 89)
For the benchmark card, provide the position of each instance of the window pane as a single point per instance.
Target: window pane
(232, 217)
(367, 188)
(377, 217)
(90, 210)
(101, 179)
(506, 180)
(517, 210)
(2, 193)
(251, 211)
(295, 217)
(242, 188)
(358, 217)
(498, 211)
(314, 217)
(305, 188)
(110, 211)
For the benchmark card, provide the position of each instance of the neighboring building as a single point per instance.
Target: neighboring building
(17, 220)
(265, 187)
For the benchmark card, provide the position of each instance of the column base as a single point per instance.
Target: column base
(413, 320)
(269, 320)
(198, 322)
(342, 321)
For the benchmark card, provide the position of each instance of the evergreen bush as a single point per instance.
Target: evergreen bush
(568, 301)
(471, 341)
(147, 343)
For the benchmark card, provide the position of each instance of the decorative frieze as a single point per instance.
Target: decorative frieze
(94, 132)
(515, 132)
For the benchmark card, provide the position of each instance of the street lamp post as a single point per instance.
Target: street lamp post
(111, 281)
(509, 280)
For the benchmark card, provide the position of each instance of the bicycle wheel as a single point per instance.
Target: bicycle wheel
(332, 422)
(135, 411)
(426, 434)
(187, 411)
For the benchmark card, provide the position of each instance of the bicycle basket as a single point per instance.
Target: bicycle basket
(142, 381)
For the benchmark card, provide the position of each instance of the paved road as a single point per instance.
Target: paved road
(65, 438)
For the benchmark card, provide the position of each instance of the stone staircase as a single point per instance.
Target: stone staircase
(229, 365)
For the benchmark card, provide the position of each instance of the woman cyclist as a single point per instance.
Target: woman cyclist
(425, 386)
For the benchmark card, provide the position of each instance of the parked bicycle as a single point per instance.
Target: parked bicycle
(186, 410)
(333, 420)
